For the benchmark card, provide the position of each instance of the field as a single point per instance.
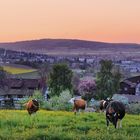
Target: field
(15, 69)
(57, 125)
(29, 75)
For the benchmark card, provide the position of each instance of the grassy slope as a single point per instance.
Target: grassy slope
(51, 125)
(16, 70)
(28, 75)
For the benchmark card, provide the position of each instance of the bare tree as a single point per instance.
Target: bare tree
(43, 73)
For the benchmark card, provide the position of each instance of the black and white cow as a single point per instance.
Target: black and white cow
(115, 111)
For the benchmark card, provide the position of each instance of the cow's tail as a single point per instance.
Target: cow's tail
(24, 104)
(85, 104)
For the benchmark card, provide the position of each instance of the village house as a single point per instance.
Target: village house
(13, 90)
(130, 86)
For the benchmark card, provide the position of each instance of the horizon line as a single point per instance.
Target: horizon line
(37, 39)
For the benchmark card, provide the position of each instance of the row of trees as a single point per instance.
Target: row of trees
(106, 84)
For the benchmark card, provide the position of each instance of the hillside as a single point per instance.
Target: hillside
(70, 47)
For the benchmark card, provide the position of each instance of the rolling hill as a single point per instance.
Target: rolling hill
(70, 47)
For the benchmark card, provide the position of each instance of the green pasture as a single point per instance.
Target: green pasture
(58, 125)
(17, 70)
(28, 75)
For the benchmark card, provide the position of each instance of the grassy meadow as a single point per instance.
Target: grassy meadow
(17, 70)
(58, 125)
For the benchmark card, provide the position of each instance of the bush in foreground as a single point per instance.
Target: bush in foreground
(59, 102)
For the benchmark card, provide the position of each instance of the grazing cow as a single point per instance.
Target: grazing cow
(78, 104)
(103, 104)
(32, 106)
(115, 111)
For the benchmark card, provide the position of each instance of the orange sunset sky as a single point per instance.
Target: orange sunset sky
(99, 20)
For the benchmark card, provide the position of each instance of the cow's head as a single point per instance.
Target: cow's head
(113, 118)
(106, 102)
(71, 100)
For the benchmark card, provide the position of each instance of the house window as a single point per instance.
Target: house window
(125, 89)
(9, 96)
(137, 92)
(20, 96)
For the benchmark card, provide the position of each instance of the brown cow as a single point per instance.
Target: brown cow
(32, 106)
(78, 104)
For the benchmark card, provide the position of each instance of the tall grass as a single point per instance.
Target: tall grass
(56, 125)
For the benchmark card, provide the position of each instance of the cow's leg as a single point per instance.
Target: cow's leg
(100, 111)
(117, 124)
(78, 110)
(120, 123)
(115, 121)
(81, 110)
(74, 110)
(29, 112)
(107, 123)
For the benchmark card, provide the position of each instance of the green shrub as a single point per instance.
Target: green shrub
(37, 95)
(54, 103)
(120, 98)
(59, 102)
(95, 104)
(134, 108)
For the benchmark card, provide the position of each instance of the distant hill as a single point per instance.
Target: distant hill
(70, 47)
